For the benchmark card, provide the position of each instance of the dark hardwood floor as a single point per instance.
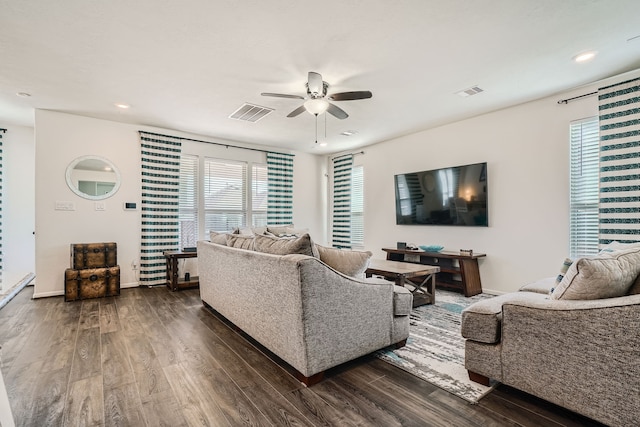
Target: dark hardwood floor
(152, 357)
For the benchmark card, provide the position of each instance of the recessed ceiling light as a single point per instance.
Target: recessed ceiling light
(586, 56)
(322, 144)
(123, 106)
(23, 94)
(349, 132)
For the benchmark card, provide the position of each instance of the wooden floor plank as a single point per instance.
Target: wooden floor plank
(87, 357)
(84, 403)
(122, 406)
(116, 366)
(109, 321)
(191, 399)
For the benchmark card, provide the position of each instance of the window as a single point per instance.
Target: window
(223, 197)
(583, 224)
(357, 207)
(188, 201)
(225, 194)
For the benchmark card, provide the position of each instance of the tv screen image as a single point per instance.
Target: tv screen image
(448, 196)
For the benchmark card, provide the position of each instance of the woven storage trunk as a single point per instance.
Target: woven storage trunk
(93, 255)
(91, 283)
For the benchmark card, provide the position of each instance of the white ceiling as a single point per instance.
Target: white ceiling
(187, 65)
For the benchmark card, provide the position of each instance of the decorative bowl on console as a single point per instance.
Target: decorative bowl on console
(431, 248)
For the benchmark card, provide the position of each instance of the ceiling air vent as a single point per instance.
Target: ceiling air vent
(250, 113)
(473, 90)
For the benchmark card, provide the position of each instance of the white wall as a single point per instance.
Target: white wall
(527, 151)
(60, 138)
(18, 207)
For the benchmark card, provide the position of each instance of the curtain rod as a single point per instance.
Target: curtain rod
(566, 101)
(216, 143)
(348, 154)
(3, 130)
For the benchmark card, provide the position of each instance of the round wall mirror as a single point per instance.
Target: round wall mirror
(93, 177)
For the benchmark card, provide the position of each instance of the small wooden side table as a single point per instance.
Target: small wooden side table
(174, 282)
(424, 291)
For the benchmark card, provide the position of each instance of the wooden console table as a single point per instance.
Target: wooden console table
(459, 272)
(174, 282)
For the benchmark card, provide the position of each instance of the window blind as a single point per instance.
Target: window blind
(259, 194)
(619, 119)
(280, 197)
(584, 187)
(341, 230)
(188, 200)
(160, 163)
(357, 207)
(225, 194)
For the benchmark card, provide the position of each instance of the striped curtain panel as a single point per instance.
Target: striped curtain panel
(341, 231)
(619, 117)
(2, 131)
(160, 207)
(280, 189)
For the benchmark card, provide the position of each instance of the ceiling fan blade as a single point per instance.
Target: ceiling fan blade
(282, 95)
(350, 96)
(297, 111)
(314, 83)
(337, 112)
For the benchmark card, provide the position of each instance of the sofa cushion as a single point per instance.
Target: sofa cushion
(240, 241)
(402, 301)
(542, 286)
(348, 262)
(616, 246)
(635, 288)
(285, 231)
(276, 246)
(250, 231)
(219, 238)
(607, 275)
(482, 320)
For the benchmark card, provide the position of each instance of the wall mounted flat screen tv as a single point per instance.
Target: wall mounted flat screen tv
(448, 196)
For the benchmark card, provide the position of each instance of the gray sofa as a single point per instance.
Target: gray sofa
(305, 312)
(583, 355)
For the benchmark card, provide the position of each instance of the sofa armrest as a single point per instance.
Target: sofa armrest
(582, 355)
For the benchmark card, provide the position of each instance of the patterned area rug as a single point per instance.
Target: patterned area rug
(435, 348)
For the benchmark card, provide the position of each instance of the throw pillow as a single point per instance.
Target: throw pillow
(240, 241)
(618, 246)
(219, 238)
(348, 262)
(604, 276)
(563, 270)
(276, 246)
(286, 231)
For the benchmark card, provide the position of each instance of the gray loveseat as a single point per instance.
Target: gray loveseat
(582, 354)
(305, 312)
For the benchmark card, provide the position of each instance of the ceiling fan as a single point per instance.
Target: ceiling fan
(317, 101)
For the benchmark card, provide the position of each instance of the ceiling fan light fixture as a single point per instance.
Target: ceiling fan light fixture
(316, 106)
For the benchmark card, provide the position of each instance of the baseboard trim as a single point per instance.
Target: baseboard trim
(61, 293)
(17, 288)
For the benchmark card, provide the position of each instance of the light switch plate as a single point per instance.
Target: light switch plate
(64, 206)
(100, 206)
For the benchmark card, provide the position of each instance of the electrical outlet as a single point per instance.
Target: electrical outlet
(134, 264)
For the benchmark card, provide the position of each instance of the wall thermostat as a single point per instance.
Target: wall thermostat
(130, 206)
